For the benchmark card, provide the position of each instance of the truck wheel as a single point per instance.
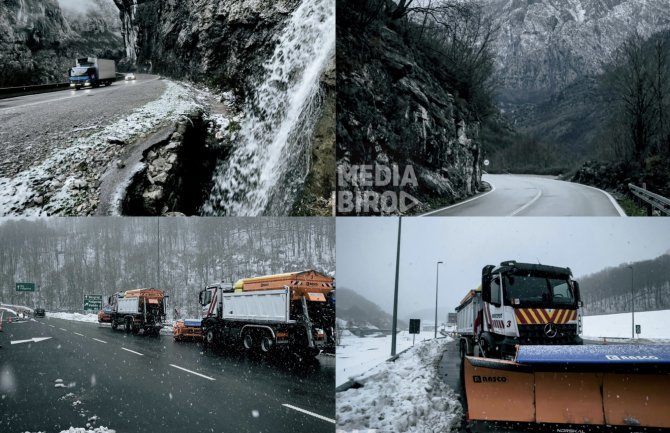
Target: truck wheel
(210, 337)
(267, 343)
(248, 341)
(114, 324)
(128, 326)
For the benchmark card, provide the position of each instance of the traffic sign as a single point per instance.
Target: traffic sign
(486, 162)
(414, 326)
(25, 287)
(92, 302)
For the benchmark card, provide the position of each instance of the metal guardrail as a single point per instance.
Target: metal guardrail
(10, 92)
(655, 202)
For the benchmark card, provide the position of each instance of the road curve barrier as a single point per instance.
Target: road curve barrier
(656, 204)
(11, 92)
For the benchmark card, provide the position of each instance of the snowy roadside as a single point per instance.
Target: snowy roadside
(357, 355)
(67, 182)
(653, 325)
(406, 395)
(93, 318)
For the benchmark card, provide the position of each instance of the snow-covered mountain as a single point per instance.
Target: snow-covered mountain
(544, 45)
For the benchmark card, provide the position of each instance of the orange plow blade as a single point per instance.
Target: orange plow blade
(610, 386)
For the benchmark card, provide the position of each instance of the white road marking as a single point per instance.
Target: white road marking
(522, 208)
(34, 340)
(132, 351)
(63, 329)
(192, 372)
(52, 326)
(100, 341)
(82, 335)
(493, 188)
(316, 415)
(612, 200)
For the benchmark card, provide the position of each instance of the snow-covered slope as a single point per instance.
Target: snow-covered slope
(654, 324)
(543, 45)
(407, 395)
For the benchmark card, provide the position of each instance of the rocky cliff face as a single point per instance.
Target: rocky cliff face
(219, 43)
(544, 45)
(39, 40)
(394, 108)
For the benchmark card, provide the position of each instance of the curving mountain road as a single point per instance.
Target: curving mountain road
(55, 147)
(522, 195)
(35, 126)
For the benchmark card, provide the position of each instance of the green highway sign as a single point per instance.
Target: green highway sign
(92, 302)
(25, 287)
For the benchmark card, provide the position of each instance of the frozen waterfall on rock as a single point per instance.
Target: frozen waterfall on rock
(266, 171)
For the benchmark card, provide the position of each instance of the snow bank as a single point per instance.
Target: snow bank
(78, 317)
(58, 185)
(357, 355)
(407, 395)
(654, 325)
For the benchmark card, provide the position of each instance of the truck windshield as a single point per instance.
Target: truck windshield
(525, 289)
(79, 72)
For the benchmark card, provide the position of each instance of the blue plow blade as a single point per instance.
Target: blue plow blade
(618, 354)
(193, 323)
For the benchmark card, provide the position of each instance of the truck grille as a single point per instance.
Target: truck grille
(534, 334)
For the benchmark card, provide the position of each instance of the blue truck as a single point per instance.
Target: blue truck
(92, 72)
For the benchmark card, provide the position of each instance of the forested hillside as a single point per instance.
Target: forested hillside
(609, 291)
(67, 258)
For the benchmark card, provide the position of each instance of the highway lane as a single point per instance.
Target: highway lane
(33, 126)
(147, 384)
(525, 195)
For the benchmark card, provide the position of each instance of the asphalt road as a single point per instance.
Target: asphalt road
(521, 195)
(34, 126)
(87, 373)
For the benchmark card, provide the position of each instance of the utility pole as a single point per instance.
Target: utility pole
(395, 294)
(437, 279)
(632, 301)
(158, 254)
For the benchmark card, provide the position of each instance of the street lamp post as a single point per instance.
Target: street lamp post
(632, 301)
(437, 279)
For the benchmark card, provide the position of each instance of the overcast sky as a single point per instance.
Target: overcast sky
(366, 250)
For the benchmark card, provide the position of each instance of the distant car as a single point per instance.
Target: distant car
(39, 312)
(130, 76)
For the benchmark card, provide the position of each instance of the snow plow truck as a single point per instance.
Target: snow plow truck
(523, 362)
(286, 312)
(135, 310)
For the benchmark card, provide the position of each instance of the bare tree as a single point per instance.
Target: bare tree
(633, 82)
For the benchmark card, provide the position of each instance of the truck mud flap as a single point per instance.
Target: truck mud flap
(621, 385)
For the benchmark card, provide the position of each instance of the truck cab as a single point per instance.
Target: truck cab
(527, 304)
(208, 298)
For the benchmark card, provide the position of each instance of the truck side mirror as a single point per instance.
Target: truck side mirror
(578, 295)
(486, 288)
(200, 297)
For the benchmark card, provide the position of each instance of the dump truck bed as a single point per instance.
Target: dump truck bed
(302, 283)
